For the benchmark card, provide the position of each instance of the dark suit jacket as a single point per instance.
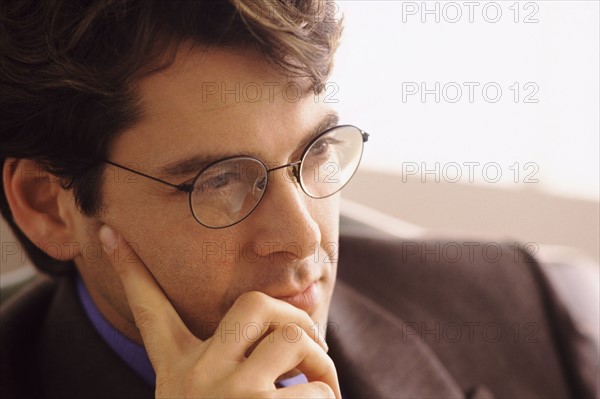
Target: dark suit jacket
(408, 319)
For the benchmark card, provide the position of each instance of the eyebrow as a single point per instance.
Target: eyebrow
(328, 121)
(189, 166)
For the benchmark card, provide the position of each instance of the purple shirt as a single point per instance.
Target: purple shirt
(133, 354)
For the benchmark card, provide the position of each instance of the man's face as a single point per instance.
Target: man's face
(210, 104)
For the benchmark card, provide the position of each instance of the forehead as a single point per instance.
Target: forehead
(218, 101)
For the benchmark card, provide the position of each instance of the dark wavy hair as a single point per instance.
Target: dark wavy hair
(68, 70)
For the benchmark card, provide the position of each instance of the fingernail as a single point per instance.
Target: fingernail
(108, 238)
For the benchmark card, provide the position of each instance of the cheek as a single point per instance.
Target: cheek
(191, 271)
(326, 213)
(176, 250)
(187, 260)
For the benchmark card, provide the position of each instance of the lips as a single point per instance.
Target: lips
(307, 300)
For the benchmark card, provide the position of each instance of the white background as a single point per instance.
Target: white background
(387, 45)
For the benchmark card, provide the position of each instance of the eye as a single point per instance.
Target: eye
(218, 182)
(324, 146)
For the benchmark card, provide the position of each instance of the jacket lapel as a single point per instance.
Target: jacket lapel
(77, 363)
(375, 358)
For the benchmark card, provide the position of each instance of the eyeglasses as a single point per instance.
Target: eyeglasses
(226, 192)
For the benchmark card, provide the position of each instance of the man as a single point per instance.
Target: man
(176, 161)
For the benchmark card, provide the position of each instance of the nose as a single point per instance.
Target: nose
(292, 168)
(286, 219)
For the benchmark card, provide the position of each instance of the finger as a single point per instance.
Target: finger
(280, 352)
(164, 334)
(311, 390)
(253, 315)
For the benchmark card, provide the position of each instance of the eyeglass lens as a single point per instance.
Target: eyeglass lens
(228, 191)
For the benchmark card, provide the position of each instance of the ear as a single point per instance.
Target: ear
(42, 209)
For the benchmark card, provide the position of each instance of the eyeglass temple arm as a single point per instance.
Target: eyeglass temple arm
(181, 187)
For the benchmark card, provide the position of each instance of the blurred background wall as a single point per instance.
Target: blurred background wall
(528, 217)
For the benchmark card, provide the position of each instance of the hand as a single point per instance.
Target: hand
(186, 366)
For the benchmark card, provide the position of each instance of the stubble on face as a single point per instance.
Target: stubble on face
(203, 271)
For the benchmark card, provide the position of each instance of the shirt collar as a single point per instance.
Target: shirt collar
(133, 354)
